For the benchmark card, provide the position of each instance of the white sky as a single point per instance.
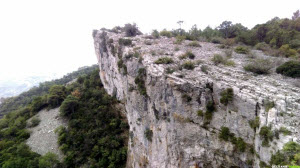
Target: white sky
(54, 36)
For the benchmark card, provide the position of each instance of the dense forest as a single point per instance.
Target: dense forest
(96, 135)
(13, 103)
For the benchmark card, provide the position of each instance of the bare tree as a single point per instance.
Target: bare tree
(180, 22)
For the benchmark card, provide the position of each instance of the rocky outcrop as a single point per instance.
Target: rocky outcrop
(168, 112)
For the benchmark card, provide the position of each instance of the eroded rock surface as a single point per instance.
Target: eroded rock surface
(43, 139)
(165, 128)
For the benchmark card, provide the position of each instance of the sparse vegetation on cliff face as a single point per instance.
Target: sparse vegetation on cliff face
(226, 96)
(164, 60)
(289, 155)
(140, 81)
(259, 66)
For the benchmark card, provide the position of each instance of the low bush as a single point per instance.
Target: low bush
(286, 51)
(125, 42)
(262, 46)
(259, 66)
(254, 123)
(268, 105)
(140, 81)
(225, 134)
(266, 135)
(164, 60)
(200, 113)
(169, 70)
(131, 30)
(35, 121)
(204, 68)
(155, 34)
(194, 44)
(241, 50)
(179, 39)
(188, 65)
(226, 96)
(165, 33)
(285, 131)
(228, 53)
(290, 68)
(148, 134)
(216, 40)
(186, 97)
(218, 59)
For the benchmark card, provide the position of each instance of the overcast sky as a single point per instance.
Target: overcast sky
(54, 36)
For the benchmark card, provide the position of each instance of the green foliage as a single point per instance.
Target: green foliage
(140, 81)
(216, 40)
(14, 103)
(164, 60)
(254, 123)
(210, 109)
(259, 66)
(131, 30)
(266, 135)
(179, 39)
(289, 155)
(69, 106)
(166, 33)
(241, 50)
(285, 131)
(200, 113)
(218, 59)
(148, 134)
(226, 96)
(49, 160)
(240, 144)
(169, 70)
(125, 42)
(122, 66)
(35, 121)
(97, 132)
(194, 44)
(204, 69)
(57, 93)
(188, 65)
(262, 46)
(290, 68)
(287, 51)
(225, 134)
(268, 105)
(186, 97)
(155, 34)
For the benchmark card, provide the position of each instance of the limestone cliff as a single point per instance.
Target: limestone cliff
(168, 111)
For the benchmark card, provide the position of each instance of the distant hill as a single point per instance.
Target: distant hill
(13, 103)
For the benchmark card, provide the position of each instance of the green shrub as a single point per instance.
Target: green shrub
(290, 68)
(179, 39)
(259, 66)
(169, 70)
(226, 96)
(188, 54)
(285, 131)
(204, 69)
(200, 113)
(254, 123)
(125, 42)
(266, 135)
(268, 105)
(155, 34)
(194, 44)
(240, 144)
(69, 106)
(210, 109)
(186, 97)
(188, 65)
(295, 43)
(164, 60)
(218, 59)
(131, 30)
(35, 122)
(148, 134)
(262, 46)
(287, 51)
(228, 53)
(216, 40)
(225, 134)
(166, 33)
(140, 81)
(241, 50)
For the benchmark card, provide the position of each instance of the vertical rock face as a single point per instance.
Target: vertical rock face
(168, 112)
